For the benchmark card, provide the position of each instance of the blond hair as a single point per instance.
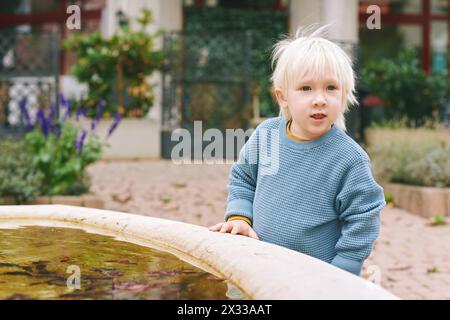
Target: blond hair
(304, 54)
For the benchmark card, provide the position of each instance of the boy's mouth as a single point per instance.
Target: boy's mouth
(318, 116)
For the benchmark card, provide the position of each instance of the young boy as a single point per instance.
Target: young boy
(322, 199)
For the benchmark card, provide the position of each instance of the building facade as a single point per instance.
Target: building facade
(423, 24)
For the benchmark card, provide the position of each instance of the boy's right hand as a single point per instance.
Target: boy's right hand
(235, 227)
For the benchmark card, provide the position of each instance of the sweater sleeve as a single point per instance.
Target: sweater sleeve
(238, 217)
(242, 181)
(358, 203)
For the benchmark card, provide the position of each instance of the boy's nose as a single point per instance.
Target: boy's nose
(319, 101)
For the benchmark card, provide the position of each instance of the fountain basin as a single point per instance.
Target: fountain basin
(259, 270)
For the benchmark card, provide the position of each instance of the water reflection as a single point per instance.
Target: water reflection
(34, 262)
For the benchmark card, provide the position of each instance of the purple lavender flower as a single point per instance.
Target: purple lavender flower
(52, 112)
(68, 111)
(100, 108)
(94, 124)
(51, 119)
(114, 125)
(58, 131)
(81, 112)
(25, 114)
(41, 119)
(63, 100)
(79, 143)
(66, 104)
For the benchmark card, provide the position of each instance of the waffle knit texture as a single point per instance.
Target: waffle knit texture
(316, 197)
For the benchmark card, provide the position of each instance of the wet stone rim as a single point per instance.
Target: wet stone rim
(260, 270)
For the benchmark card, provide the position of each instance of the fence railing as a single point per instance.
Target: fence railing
(29, 68)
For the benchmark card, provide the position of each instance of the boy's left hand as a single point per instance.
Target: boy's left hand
(235, 227)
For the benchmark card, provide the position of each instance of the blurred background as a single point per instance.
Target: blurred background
(87, 114)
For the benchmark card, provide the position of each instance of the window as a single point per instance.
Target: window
(423, 24)
(439, 45)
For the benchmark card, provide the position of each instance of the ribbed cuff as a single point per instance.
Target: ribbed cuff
(349, 265)
(239, 217)
(240, 207)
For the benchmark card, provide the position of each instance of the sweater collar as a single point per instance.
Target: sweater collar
(303, 145)
(290, 134)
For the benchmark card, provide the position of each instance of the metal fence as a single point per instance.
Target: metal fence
(206, 78)
(29, 68)
(209, 78)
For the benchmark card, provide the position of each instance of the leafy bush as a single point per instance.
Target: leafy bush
(18, 178)
(62, 160)
(115, 69)
(61, 150)
(407, 91)
(425, 164)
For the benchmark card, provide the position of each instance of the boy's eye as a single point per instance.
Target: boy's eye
(305, 88)
(331, 87)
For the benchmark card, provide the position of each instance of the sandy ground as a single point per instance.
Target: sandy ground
(190, 193)
(411, 258)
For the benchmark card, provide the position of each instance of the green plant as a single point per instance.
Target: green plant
(116, 69)
(389, 198)
(18, 178)
(60, 150)
(407, 91)
(439, 220)
(61, 161)
(425, 163)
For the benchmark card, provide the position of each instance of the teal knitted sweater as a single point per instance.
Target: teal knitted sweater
(316, 197)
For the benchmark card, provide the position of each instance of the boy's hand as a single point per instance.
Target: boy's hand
(235, 227)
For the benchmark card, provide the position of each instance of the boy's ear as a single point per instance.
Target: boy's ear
(280, 97)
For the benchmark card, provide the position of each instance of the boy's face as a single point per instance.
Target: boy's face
(314, 105)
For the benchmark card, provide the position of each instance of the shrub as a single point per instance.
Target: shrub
(18, 178)
(61, 150)
(62, 159)
(407, 91)
(424, 164)
(116, 69)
